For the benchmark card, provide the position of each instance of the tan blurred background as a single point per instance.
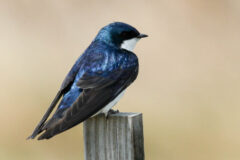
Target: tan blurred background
(188, 87)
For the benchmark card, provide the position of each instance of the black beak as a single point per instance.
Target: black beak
(142, 36)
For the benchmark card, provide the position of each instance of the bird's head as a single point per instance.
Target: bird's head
(120, 35)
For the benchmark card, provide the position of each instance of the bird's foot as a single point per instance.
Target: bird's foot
(111, 111)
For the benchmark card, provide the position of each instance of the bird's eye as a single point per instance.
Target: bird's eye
(124, 34)
(128, 35)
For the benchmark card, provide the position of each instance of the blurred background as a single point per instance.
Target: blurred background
(188, 88)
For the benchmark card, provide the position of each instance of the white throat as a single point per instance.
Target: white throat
(129, 44)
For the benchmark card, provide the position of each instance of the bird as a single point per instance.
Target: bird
(96, 82)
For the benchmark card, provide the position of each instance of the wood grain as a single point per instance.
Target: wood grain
(120, 137)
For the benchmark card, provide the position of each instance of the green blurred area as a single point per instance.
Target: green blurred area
(188, 87)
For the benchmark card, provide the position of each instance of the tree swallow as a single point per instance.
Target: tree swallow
(96, 81)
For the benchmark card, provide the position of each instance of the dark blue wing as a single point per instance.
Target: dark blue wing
(99, 67)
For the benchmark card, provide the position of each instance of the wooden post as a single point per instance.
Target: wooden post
(120, 137)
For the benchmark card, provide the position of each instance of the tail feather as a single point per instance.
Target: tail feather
(40, 125)
(86, 105)
(52, 128)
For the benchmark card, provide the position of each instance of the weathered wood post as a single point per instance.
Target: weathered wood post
(120, 137)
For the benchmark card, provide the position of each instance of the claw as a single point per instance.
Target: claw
(111, 111)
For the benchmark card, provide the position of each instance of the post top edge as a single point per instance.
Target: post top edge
(125, 114)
